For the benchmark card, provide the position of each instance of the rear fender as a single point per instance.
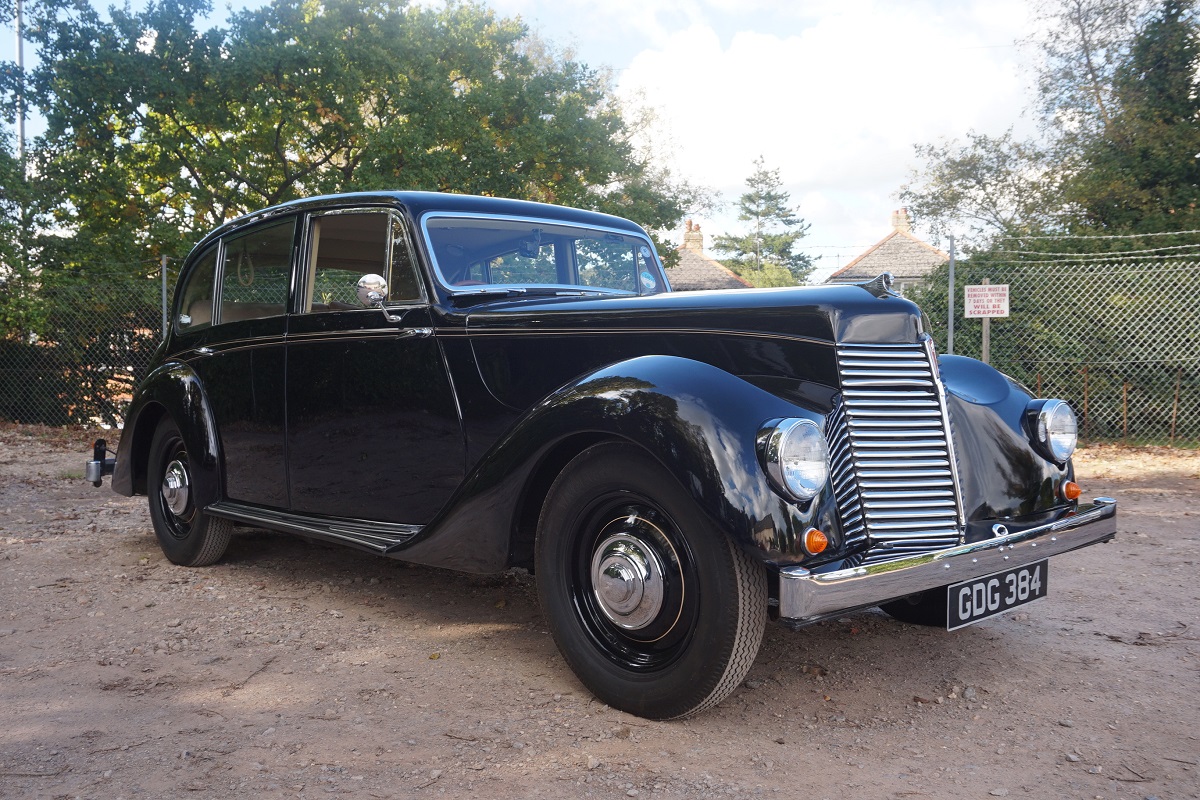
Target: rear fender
(172, 390)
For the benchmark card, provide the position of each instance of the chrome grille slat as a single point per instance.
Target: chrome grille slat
(892, 461)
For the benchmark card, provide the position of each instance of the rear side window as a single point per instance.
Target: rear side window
(196, 293)
(257, 273)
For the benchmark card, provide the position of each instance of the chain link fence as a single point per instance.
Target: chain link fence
(91, 343)
(1118, 340)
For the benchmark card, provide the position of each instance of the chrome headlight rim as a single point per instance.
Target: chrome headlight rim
(1054, 429)
(781, 437)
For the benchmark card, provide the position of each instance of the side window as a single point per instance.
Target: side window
(610, 262)
(257, 273)
(346, 247)
(196, 294)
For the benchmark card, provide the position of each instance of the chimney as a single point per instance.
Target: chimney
(900, 220)
(693, 239)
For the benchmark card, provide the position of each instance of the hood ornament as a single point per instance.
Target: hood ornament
(880, 285)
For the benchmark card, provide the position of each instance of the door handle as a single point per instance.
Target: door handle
(416, 333)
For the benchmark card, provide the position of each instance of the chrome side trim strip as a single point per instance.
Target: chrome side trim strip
(631, 331)
(806, 597)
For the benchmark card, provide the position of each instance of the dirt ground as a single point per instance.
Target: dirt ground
(292, 669)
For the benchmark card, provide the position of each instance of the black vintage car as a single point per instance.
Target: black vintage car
(479, 384)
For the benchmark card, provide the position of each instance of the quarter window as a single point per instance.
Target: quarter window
(196, 294)
(257, 273)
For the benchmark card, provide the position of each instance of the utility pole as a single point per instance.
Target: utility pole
(21, 88)
(23, 224)
(164, 296)
(950, 315)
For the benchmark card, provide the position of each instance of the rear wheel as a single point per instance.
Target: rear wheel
(656, 611)
(927, 608)
(186, 535)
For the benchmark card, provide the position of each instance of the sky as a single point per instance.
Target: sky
(832, 94)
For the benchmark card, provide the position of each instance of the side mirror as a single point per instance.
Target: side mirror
(372, 290)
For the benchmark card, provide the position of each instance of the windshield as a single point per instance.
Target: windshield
(474, 253)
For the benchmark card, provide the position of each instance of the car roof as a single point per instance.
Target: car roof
(419, 203)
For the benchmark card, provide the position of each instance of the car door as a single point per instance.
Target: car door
(237, 321)
(373, 429)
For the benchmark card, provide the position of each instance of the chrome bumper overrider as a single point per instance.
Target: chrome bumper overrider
(805, 596)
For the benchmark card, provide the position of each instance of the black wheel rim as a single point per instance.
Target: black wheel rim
(619, 532)
(175, 463)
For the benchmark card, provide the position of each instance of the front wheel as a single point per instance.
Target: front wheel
(656, 611)
(186, 534)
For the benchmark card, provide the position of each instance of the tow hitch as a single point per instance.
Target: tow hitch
(100, 465)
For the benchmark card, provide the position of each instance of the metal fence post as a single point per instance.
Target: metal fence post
(164, 296)
(950, 314)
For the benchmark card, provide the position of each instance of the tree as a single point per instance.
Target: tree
(766, 207)
(1118, 97)
(1082, 46)
(158, 130)
(984, 188)
(1142, 174)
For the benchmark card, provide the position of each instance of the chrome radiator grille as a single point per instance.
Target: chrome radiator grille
(892, 460)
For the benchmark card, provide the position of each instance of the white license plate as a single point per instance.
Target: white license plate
(979, 598)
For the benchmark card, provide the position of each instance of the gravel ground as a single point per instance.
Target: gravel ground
(293, 669)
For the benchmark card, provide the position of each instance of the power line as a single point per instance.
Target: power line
(1121, 253)
(1098, 260)
(1098, 236)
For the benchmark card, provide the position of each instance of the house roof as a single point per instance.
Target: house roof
(697, 271)
(900, 253)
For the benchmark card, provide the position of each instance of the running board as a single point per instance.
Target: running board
(377, 537)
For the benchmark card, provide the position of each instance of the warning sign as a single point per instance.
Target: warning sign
(986, 300)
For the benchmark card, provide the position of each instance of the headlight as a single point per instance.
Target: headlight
(1054, 429)
(795, 457)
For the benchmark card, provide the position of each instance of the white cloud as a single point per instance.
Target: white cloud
(836, 102)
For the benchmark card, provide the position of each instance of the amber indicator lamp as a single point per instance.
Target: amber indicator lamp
(815, 541)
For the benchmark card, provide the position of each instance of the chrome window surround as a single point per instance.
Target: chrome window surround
(441, 279)
(302, 277)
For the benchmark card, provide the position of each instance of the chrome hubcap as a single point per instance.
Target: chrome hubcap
(175, 487)
(627, 580)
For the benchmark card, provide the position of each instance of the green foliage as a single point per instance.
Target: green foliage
(180, 129)
(1120, 101)
(1143, 175)
(1082, 45)
(160, 128)
(774, 230)
(982, 188)
(769, 275)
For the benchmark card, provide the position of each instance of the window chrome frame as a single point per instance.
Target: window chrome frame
(436, 269)
(303, 279)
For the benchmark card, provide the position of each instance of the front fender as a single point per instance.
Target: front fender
(1002, 475)
(172, 390)
(698, 421)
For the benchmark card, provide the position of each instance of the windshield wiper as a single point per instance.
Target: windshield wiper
(503, 291)
(532, 291)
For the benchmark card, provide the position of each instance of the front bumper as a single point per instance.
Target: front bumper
(806, 597)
